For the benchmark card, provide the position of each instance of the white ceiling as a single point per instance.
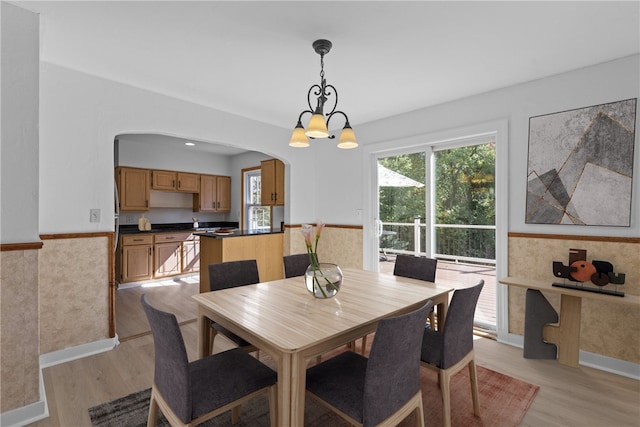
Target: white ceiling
(255, 59)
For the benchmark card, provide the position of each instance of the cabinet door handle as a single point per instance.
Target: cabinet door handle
(179, 184)
(170, 237)
(149, 250)
(138, 240)
(272, 197)
(218, 205)
(173, 183)
(276, 196)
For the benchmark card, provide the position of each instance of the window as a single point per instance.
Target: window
(256, 217)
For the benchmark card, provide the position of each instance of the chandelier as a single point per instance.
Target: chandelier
(318, 126)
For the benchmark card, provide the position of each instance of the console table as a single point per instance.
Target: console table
(566, 334)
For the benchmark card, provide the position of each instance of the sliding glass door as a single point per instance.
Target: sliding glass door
(439, 201)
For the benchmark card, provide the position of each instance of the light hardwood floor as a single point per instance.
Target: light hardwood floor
(567, 397)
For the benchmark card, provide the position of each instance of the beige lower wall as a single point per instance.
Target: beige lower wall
(607, 329)
(338, 244)
(74, 292)
(19, 355)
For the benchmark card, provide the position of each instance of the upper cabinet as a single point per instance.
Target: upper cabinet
(272, 182)
(211, 193)
(133, 188)
(214, 195)
(175, 181)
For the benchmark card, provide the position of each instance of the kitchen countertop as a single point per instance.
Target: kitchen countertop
(238, 233)
(206, 229)
(177, 227)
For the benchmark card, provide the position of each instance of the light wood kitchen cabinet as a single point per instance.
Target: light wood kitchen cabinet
(191, 254)
(214, 195)
(175, 181)
(188, 182)
(266, 249)
(168, 253)
(133, 188)
(156, 255)
(163, 180)
(136, 261)
(272, 182)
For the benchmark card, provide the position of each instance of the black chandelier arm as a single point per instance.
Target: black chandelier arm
(302, 114)
(328, 93)
(333, 113)
(318, 91)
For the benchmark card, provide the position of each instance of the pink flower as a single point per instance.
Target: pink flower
(306, 233)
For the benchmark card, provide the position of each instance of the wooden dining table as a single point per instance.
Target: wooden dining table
(284, 320)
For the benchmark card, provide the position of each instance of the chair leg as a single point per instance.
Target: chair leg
(153, 410)
(364, 345)
(273, 405)
(235, 414)
(473, 376)
(420, 414)
(432, 321)
(445, 379)
(212, 337)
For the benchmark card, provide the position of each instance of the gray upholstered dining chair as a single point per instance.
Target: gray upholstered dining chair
(189, 393)
(412, 267)
(295, 265)
(450, 350)
(380, 390)
(231, 274)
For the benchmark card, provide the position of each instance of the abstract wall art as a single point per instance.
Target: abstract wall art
(580, 166)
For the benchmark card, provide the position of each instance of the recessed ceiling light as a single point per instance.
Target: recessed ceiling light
(190, 144)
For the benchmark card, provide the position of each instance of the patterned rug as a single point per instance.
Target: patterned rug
(503, 402)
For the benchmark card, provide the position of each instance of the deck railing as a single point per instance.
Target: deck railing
(455, 242)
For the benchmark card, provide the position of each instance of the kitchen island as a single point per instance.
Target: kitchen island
(263, 246)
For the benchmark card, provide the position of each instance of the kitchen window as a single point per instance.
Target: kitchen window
(255, 216)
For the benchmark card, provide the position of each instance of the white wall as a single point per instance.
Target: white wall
(612, 81)
(19, 130)
(81, 114)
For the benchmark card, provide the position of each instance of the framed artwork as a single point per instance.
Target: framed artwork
(580, 166)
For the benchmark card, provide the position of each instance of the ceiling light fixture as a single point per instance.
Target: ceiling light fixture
(317, 126)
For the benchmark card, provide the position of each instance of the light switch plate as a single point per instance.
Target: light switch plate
(94, 215)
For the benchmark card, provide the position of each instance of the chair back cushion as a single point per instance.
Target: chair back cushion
(171, 373)
(393, 368)
(295, 265)
(413, 267)
(230, 274)
(457, 340)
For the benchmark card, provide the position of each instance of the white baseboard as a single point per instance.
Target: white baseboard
(39, 410)
(592, 360)
(27, 414)
(78, 352)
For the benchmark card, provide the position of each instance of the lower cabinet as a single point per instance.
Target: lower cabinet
(136, 258)
(154, 256)
(191, 254)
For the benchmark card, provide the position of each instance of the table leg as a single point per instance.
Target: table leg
(567, 334)
(204, 324)
(284, 390)
(442, 305)
(298, 388)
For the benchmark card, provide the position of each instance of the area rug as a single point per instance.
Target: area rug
(503, 402)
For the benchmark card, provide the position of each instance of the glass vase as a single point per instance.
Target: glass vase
(323, 280)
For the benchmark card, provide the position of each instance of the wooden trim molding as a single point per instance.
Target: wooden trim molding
(572, 237)
(28, 246)
(353, 227)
